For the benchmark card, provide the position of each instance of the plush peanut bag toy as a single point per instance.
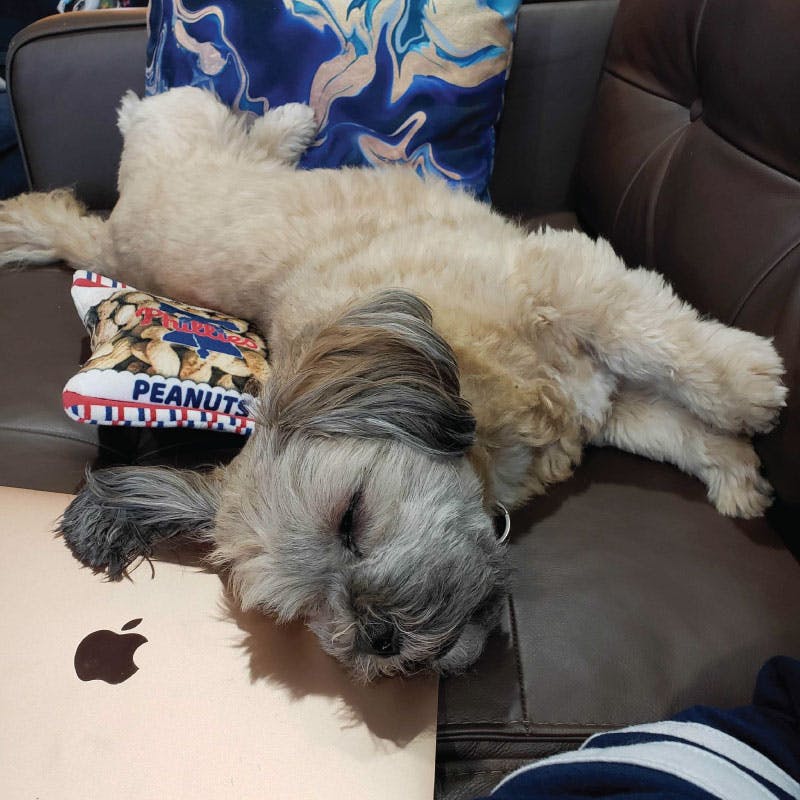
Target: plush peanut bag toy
(160, 363)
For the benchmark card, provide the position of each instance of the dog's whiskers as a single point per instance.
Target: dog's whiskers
(342, 632)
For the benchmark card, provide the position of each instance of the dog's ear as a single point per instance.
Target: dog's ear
(379, 370)
(122, 512)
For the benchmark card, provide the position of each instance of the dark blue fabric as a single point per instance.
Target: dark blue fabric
(771, 726)
(391, 82)
(584, 781)
(12, 172)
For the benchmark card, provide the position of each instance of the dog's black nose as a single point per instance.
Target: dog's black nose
(384, 639)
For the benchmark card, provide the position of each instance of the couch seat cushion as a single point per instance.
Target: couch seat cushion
(632, 599)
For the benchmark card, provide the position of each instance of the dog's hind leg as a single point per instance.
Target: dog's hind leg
(648, 425)
(44, 227)
(634, 324)
(285, 132)
(187, 120)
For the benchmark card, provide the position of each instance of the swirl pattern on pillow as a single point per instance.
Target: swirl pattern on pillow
(418, 82)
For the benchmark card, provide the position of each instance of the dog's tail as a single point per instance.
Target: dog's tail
(42, 228)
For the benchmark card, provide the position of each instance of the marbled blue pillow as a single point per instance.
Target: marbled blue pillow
(413, 81)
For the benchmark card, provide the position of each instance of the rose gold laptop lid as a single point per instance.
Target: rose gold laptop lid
(208, 702)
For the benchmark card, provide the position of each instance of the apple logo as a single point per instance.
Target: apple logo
(108, 656)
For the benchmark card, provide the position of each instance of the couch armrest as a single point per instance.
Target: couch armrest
(691, 166)
(65, 75)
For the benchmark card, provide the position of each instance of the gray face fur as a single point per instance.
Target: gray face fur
(387, 552)
(352, 505)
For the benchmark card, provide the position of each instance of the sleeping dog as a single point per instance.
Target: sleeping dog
(432, 363)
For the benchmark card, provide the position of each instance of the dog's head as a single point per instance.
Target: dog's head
(353, 504)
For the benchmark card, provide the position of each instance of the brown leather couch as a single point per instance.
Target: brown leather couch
(678, 140)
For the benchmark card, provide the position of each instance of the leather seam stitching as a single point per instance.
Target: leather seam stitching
(531, 725)
(650, 225)
(746, 153)
(653, 153)
(515, 634)
(614, 74)
(705, 121)
(758, 159)
(696, 39)
(761, 278)
(470, 773)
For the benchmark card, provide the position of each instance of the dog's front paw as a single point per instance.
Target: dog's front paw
(761, 386)
(752, 394)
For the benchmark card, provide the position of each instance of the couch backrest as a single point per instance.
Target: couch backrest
(68, 72)
(691, 165)
(558, 54)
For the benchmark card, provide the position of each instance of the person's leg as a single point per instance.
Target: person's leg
(748, 752)
(12, 173)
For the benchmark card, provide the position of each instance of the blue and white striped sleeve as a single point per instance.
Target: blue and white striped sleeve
(749, 753)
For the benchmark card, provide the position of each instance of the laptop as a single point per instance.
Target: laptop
(159, 687)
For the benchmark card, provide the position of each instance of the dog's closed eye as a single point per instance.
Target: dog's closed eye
(347, 524)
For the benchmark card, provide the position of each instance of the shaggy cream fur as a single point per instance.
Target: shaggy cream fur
(556, 345)
(543, 325)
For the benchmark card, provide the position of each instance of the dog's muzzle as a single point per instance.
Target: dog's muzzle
(381, 639)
